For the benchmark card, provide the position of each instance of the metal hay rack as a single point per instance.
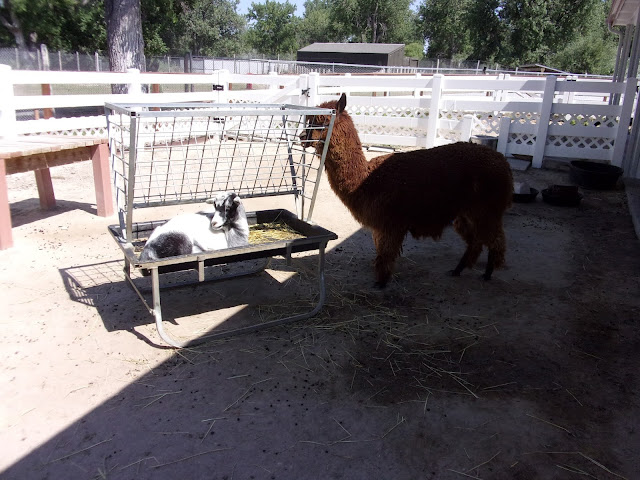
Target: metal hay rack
(184, 153)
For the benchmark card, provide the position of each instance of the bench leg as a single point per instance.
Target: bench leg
(45, 188)
(6, 239)
(102, 179)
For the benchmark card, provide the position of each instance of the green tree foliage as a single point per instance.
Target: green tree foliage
(516, 32)
(593, 50)
(159, 26)
(72, 25)
(567, 34)
(414, 50)
(375, 21)
(210, 27)
(317, 25)
(272, 27)
(444, 27)
(528, 21)
(486, 30)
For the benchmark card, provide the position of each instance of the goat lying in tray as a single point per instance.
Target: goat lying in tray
(226, 226)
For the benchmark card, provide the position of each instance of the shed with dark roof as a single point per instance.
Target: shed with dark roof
(380, 54)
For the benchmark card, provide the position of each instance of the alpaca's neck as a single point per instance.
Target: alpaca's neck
(347, 166)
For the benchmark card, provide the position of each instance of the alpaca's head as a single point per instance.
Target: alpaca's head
(315, 133)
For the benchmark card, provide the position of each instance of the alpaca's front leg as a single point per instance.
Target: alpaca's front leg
(388, 246)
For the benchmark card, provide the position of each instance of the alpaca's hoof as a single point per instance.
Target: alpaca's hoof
(486, 277)
(380, 285)
(454, 273)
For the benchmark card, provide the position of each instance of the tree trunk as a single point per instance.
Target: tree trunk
(124, 37)
(14, 26)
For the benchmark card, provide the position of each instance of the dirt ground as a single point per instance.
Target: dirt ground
(533, 375)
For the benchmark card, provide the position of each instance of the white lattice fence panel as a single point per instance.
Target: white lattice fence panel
(447, 130)
(606, 121)
(383, 120)
(579, 142)
(78, 132)
(487, 123)
(582, 135)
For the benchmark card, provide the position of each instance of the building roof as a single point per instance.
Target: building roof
(353, 47)
(624, 12)
(537, 67)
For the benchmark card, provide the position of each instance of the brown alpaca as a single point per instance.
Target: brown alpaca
(420, 192)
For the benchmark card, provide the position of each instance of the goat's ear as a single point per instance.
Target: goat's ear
(342, 103)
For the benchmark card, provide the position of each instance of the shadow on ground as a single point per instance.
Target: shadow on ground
(532, 375)
(28, 211)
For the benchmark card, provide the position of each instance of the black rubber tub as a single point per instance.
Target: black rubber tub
(488, 140)
(594, 175)
(562, 195)
(525, 197)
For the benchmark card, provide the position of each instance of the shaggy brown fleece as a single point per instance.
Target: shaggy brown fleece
(420, 192)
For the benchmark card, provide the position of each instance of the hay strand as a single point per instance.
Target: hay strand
(247, 392)
(549, 423)
(80, 451)
(190, 457)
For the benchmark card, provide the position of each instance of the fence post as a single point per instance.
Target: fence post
(273, 73)
(503, 134)
(97, 57)
(416, 91)
(622, 133)
(347, 90)
(466, 127)
(224, 79)
(44, 53)
(543, 122)
(314, 77)
(303, 83)
(134, 87)
(7, 110)
(187, 69)
(434, 110)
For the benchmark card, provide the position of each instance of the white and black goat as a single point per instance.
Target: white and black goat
(226, 226)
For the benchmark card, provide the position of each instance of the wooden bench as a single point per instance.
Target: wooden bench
(38, 154)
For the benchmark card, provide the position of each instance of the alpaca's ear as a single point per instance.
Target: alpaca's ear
(342, 103)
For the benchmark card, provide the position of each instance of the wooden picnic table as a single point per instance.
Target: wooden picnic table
(38, 153)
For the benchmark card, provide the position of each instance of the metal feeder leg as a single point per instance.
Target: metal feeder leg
(280, 321)
(157, 311)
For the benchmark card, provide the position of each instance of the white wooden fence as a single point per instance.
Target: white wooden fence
(580, 121)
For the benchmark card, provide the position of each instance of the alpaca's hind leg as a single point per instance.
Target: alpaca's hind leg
(467, 231)
(469, 258)
(497, 248)
(388, 247)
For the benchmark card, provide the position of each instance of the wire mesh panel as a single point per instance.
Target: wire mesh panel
(165, 154)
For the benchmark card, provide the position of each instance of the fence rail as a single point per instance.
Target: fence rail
(562, 117)
(43, 59)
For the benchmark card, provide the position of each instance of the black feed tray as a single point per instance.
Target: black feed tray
(562, 195)
(311, 237)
